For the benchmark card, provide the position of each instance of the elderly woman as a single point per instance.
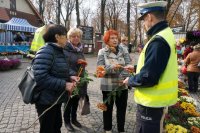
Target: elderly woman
(111, 57)
(51, 71)
(124, 42)
(74, 50)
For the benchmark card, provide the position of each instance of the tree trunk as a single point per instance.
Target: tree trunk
(58, 11)
(103, 3)
(199, 17)
(77, 14)
(41, 7)
(128, 21)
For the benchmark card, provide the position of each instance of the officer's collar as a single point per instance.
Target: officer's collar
(156, 28)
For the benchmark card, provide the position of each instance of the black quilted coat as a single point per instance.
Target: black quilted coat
(51, 71)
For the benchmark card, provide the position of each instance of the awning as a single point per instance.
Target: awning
(18, 24)
(2, 26)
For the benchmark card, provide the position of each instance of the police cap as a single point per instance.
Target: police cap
(150, 7)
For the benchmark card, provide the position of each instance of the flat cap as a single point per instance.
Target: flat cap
(150, 7)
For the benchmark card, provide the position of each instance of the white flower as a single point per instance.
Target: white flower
(188, 99)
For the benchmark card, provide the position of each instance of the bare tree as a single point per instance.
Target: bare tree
(69, 6)
(58, 10)
(49, 11)
(41, 6)
(174, 11)
(199, 14)
(103, 4)
(96, 20)
(128, 20)
(85, 13)
(77, 13)
(114, 8)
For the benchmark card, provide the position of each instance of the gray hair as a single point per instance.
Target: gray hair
(74, 31)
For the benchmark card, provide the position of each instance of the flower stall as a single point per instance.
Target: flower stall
(183, 117)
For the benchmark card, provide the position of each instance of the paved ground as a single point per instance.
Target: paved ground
(15, 115)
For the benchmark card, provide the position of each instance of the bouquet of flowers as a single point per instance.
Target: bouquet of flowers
(100, 72)
(84, 79)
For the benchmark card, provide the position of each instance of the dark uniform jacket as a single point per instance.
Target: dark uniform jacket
(156, 58)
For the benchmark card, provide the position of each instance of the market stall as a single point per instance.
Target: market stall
(18, 24)
(8, 31)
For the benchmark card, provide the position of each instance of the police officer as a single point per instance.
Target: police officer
(38, 40)
(156, 79)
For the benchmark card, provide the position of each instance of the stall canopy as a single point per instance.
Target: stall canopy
(2, 26)
(18, 24)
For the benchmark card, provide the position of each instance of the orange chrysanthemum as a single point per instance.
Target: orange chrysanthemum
(82, 62)
(102, 106)
(113, 49)
(130, 70)
(100, 71)
(195, 129)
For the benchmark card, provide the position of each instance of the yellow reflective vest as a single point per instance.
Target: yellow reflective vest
(38, 40)
(165, 93)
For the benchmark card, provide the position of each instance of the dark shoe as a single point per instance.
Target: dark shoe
(76, 123)
(69, 127)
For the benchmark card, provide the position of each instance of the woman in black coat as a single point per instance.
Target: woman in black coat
(74, 50)
(51, 71)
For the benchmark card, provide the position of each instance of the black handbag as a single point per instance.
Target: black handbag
(27, 86)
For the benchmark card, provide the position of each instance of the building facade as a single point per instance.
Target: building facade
(20, 9)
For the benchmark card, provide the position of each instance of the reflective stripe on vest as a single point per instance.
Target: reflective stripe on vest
(165, 93)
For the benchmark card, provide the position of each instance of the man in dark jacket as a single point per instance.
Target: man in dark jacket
(156, 79)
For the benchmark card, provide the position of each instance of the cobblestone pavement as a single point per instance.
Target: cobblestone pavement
(15, 115)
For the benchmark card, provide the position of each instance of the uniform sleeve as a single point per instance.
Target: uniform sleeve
(156, 59)
(42, 67)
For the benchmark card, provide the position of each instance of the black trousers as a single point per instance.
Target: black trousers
(121, 104)
(193, 81)
(149, 120)
(51, 121)
(71, 109)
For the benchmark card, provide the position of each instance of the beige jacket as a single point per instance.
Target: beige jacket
(192, 61)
